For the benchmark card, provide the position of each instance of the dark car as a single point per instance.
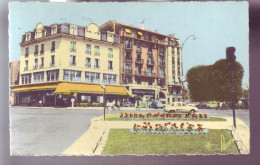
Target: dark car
(156, 104)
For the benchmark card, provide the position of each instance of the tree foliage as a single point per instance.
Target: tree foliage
(213, 82)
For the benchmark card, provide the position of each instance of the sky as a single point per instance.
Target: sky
(216, 25)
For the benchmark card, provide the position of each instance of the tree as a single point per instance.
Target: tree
(213, 82)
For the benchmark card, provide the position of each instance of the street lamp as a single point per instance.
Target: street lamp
(104, 99)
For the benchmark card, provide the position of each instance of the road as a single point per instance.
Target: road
(41, 131)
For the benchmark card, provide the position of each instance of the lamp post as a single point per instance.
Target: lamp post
(104, 100)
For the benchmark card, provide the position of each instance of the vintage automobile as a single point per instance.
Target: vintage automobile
(156, 104)
(180, 107)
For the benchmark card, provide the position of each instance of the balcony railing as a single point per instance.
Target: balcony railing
(35, 66)
(52, 49)
(150, 62)
(139, 49)
(88, 65)
(52, 64)
(128, 58)
(36, 53)
(142, 73)
(41, 66)
(72, 64)
(25, 68)
(139, 61)
(128, 71)
(162, 64)
(26, 54)
(42, 52)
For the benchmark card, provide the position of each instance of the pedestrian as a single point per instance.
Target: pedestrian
(137, 105)
(118, 105)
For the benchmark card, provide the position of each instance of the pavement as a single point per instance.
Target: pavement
(93, 141)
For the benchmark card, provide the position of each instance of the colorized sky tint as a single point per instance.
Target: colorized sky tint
(216, 25)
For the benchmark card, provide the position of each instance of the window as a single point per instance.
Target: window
(36, 50)
(116, 39)
(149, 71)
(92, 77)
(109, 79)
(161, 72)
(138, 46)
(138, 81)
(149, 37)
(72, 75)
(128, 43)
(26, 65)
(178, 51)
(96, 63)
(128, 68)
(42, 48)
(173, 70)
(161, 61)
(26, 78)
(27, 37)
(72, 60)
(173, 60)
(52, 60)
(161, 50)
(150, 82)
(173, 79)
(73, 46)
(150, 60)
(128, 55)
(73, 30)
(173, 50)
(53, 29)
(110, 65)
(178, 60)
(27, 52)
(42, 62)
(128, 79)
(35, 63)
(179, 71)
(97, 52)
(110, 52)
(85, 99)
(103, 36)
(138, 57)
(53, 46)
(53, 75)
(38, 77)
(150, 48)
(88, 63)
(138, 69)
(88, 49)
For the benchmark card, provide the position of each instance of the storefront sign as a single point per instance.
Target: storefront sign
(143, 92)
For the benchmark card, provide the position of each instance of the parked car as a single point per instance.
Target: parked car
(156, 104)
(201, 105)
(212, 104)
(180, 107)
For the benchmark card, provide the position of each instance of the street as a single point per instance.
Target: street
(43, 131)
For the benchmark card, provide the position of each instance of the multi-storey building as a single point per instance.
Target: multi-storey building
(151, 63)
(14, 72)
(62, 61)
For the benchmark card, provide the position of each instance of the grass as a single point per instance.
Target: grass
(114, 117)
(123, 142)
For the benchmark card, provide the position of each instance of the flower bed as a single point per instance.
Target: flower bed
(168, 128)
(165, 116)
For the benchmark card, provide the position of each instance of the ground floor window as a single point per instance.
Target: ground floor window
(72, 75)
(109, 79)
(92, 77)
(26, 100)
(38, 77)
(85, 99)
(26, 78)
(128, 79)
(53, 75)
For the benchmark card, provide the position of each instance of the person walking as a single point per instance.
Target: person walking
(137, 105)
(118, 105)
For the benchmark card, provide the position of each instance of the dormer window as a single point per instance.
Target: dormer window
(73, 30)
(27, 37)
(54, 30)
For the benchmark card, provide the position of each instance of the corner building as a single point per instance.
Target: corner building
(151, 63)
(62, 61)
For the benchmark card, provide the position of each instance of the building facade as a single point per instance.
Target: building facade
(14, 72)
(63, 61)
(151, 63)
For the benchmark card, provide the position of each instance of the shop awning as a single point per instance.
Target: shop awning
(140, 33)
(34, 88)
(70, 88)
(128, 30)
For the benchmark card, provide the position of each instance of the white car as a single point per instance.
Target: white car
(180, 107)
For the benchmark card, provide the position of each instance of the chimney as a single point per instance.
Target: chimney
(142, 25)
(156, 31)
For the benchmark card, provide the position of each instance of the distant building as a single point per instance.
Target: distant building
(64, 61)
(14, 74)
(151, 63)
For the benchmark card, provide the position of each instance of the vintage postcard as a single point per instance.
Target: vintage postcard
(132, 78)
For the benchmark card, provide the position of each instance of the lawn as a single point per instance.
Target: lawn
(115, 117)
(122, 142)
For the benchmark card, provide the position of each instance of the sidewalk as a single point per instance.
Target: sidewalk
(93, 141)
